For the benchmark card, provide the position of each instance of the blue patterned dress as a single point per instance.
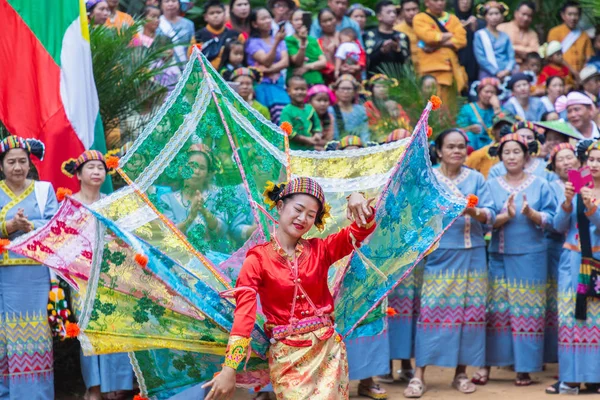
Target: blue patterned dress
(518, 275)
(451, 326)
(579, 341)
(26, 359)
(554, 243)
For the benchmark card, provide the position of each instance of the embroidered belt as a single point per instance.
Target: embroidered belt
(305, 325)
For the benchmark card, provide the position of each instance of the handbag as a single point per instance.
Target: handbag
(588, 280)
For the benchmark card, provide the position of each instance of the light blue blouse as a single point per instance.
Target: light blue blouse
(537, 168)
(466, 232)
(533, 113)
(521, 235)
(355, 123)
(567, 223)
(503, 50)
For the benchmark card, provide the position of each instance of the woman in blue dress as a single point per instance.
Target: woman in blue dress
(578, 317)
(194, 208)
(26, 359)
(477, 118)
(518, 270)
(522, 104)
(349, 118)
(454, 289)
(534, 165)
(562, 159)
(108, 373)
(493, 50)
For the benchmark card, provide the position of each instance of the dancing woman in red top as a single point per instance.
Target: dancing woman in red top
(307, 358)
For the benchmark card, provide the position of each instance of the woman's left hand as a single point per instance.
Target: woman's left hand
(359, 209)
(526, 210)
(588, 198)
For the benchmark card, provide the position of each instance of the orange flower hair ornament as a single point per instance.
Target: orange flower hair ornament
(472, 201)
(436, 102)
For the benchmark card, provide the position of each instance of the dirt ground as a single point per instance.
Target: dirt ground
(69, 385)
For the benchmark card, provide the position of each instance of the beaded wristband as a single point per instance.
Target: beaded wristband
(236, 352)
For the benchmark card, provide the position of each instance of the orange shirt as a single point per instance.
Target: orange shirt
(525, 42)
(579, 52)
(412, 37)
(481, 161)
(119, 20)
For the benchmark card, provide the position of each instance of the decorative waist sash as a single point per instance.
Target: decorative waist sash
(305, 325)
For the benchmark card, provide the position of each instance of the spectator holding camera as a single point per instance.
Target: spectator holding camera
(306, 56)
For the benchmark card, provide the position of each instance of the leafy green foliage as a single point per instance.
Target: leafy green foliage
(125, 78)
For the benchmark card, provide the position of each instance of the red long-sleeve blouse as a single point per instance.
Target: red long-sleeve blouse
(268, 273)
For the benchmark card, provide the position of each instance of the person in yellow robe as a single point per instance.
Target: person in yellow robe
(440, 35)
(408, 9)
(576, 44)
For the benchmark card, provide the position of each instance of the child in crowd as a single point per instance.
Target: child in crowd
(429, 86)
(533, 64)
(215, 35)
(348, 52)
(233, 56)
(321, 97)
(307, 133)
(243, 80)
(384, 113)
(555, 65)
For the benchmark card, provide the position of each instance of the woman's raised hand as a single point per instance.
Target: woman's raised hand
(359, 209)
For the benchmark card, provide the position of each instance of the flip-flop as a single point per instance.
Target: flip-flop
(554, 388)
(405, 375)
(462, 383)
(480, 379)
(374, 391)
(415, 389)
(521, 381)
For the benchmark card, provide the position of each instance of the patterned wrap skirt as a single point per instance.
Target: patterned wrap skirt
(311, 365)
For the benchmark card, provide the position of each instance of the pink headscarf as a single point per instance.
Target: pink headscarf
(572, 99)
(320, 89)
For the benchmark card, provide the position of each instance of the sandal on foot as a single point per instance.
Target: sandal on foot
(405, 375)
(480, 379)
(462, 383)
(554, 388)
(523, 380)
(389, 378)
(374, 391)
(415, 389)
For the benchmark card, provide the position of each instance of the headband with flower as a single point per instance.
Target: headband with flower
(301, 185)
(482, 9)
(70, 167)
(33, 147)
(558, 148)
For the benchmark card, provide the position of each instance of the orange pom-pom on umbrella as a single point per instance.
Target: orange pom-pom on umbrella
(391, 312)
(63, 192)
(141, 259)
(138, 397)
(436, 102)
(112, 162)
(286, 127)
(429, 131)
(72, 329)
(3, 245)
(472, 201)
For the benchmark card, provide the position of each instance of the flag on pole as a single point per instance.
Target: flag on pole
(47, 88)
